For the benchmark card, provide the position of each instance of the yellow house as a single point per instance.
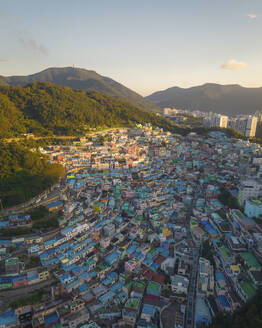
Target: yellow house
(34, 239)
(235, 269)
(43, 275)
(77, 305)
(166, 232)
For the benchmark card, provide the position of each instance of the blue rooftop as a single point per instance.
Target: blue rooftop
(111, 258)
(220, 276)
(55, 204)
(51, 319)
(223, 301)
(8, 318)
(84, 287)
(148, 309)
(116, 286)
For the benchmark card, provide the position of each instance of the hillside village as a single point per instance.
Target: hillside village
(156, 230)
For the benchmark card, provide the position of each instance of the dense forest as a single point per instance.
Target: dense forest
(24, 173)
(82, 79)
(47, 109)
(249, 316)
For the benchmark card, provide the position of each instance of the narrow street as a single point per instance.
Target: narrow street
(190, 313)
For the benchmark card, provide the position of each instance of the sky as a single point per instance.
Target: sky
(147, 45)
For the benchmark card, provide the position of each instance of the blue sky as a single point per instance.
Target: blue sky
(147, 45)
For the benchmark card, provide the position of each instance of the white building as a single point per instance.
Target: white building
(249, 189)
(205, 277)
(168, 265)
(179, 284)
(217, 120)
(246, 125)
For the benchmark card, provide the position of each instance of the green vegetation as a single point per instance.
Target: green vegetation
(24, 173)
(207, 253)
(249, 316)
(227, 199)
(35, 142)
(32, 262)
(192, 121)
(12, 121)
(222, 213)
(38, 213)
(257, 220)
(82, 79)
(230, 133)
(14, 232)
(48, 221)
(46, 109)
(33, 299)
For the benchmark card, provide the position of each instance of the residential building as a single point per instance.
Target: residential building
(253, 208)
(179, 284)
(249, 189)
(218, 120)
(246, 125)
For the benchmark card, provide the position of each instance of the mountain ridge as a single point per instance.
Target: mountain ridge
(229, 99)
(81, 79)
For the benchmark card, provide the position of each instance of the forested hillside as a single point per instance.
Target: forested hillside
(24, 173)
(249, 316)
(82, 79)
(46, 109)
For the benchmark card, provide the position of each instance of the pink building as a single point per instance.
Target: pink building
(130, 266)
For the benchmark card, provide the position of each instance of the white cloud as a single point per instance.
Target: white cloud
(251, 16)
(233, 65)
(3, 60)
(32, 44)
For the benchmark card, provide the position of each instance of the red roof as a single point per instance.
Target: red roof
(159, 259)
(160, 278)
(151, 297)
(148, 274)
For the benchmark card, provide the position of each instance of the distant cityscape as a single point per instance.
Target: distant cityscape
(245, 124)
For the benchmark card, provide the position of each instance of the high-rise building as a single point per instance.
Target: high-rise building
(246, 125)
(232, 123)
(223, 121)
(167, 111)
(258, 114)
(217, 120)
(170, 111)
